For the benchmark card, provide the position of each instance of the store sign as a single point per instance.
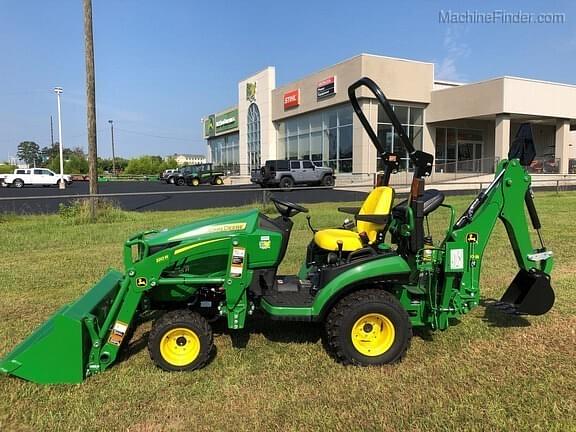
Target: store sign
(326, 87)
(251, 92)
(209, 126)
(292, 99)
(226, 121)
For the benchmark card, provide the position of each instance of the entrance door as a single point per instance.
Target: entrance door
(469, 156)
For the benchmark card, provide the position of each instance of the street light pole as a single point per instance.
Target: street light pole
(112, 135)
(61, 183)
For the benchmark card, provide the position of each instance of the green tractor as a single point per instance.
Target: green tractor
(369, 282)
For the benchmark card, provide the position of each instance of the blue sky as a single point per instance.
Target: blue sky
(162, 65)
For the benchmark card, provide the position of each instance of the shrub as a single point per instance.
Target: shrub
(77, 212)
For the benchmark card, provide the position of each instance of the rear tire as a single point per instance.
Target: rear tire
(218, 181)
(18, 183)
(195, 182)
(180, 340)
(286, 183)
(368, 327)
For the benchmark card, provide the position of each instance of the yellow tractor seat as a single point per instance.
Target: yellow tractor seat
(328, 239)
(371, 219)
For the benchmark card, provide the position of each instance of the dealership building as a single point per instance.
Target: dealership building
(468, 127)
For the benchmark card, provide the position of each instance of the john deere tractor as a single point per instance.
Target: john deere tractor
(369, 282)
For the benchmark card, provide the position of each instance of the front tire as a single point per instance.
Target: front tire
(368, 327)
(180, 181)
(327, 180)
(195, 182)
(180, 340)
(218, 181)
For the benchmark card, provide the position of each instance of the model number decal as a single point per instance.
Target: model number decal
(162, 258)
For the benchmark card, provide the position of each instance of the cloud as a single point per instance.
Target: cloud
(455, 50)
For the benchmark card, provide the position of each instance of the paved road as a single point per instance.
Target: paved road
(203, 197)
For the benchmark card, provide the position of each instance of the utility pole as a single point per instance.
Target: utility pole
(112, 135)
(51, 132)
(90, 104)
(61, 183)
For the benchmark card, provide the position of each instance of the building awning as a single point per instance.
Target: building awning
(523, 99)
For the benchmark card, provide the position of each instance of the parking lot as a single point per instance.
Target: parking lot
(204, 196)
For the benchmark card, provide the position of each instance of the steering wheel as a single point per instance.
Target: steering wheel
(288, 209)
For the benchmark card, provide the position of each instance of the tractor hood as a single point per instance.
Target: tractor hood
(207, 228)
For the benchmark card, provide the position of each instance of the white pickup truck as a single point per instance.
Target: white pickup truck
(32, 176)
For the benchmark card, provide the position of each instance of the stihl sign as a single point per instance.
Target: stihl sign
(292, 99)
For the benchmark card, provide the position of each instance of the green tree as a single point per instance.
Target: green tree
(29, 152)
(6, 168)
(145, 165)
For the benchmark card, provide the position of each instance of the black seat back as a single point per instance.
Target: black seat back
(432, 200)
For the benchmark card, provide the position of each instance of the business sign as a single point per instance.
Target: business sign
(292, 99)
(326, 87)
(209, 126)
(226, 121)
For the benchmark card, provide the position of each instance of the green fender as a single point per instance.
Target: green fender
(391, 265)
(357, 275)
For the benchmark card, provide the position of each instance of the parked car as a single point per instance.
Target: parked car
(168, 175)
(33, 176)
(195, 175)
(287, 173)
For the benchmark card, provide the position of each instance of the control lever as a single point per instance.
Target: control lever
(310, 224)
(340, 247)
(348, 224)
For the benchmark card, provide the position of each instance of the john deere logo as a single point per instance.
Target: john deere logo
(472, 238)
(141, 282)
(209, 126)
(251, 92)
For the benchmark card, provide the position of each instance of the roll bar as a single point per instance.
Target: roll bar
(422, 161)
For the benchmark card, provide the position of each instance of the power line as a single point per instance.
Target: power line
(155, 136)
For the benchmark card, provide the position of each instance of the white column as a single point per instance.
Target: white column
(561, 144)
(502, 136)
(429, 139)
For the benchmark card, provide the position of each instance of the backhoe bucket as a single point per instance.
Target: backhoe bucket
(530, 293)
(58, 351)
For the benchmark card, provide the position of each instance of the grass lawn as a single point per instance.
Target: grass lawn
(489, 372)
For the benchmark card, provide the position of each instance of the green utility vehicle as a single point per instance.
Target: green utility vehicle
(195, 175)
(369, 283)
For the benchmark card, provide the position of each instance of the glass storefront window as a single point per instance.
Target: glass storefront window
(254, 141)
(416, 115)
(411, 118)
(402, 114)
(458, 150)
(225, 152)
(345, 141)
(316, 146)
(323, 137)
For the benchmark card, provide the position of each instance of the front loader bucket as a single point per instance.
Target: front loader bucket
(530, 293)
(57, 352)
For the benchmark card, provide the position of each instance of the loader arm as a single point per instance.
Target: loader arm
(505, 199)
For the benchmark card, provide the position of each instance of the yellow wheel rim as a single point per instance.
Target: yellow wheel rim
(218, 181)
(373, 334)
(180, 346)
(195, 182)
